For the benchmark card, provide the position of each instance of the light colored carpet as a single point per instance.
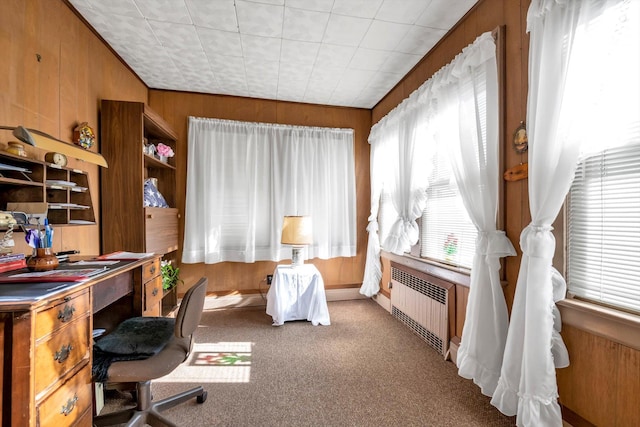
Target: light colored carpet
(366, 369)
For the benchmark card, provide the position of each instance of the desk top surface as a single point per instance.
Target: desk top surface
(23, 296)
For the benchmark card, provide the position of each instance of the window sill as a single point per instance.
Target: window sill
(617, 326)
(460, 276)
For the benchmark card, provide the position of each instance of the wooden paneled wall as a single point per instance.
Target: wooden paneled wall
(602, 384)
(53, 73)
(230, 277)
(75, 70)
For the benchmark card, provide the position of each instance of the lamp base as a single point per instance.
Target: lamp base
(297, 258)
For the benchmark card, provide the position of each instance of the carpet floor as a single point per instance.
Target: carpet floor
(366, 369)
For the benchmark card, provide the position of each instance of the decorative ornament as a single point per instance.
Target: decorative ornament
(520, 139)
(84, 136)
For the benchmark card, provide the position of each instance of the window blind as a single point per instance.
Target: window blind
(604, 228)
(447, 233)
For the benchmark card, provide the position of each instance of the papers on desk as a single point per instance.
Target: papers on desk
(74, 275)
(95, 262)
(125, 256)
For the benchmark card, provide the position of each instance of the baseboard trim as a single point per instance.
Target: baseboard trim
(214, 302)
(383, 301)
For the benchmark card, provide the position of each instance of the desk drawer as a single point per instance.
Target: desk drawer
(61, 353)
(150, 270)
(69, 403)
(62, 312)
(152, 297)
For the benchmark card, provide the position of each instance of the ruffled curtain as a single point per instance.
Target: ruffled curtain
(373, 268)
(470, 82)
(569, 72)
(244, 177)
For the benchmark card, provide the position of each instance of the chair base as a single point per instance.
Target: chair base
(148, 412)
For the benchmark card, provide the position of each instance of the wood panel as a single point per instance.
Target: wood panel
(592, 372)
(227, 277)
(628, 387)
(60, 89)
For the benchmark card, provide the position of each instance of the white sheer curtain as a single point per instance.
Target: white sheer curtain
(378, 154)
(569, 72)
(469, 126)
(397, 143)
(243, 178)
(405, 179)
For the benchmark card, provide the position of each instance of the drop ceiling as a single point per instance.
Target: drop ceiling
(331, 52)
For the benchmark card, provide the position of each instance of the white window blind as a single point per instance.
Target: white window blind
(603, 221)
(604, 228)
(448, 235)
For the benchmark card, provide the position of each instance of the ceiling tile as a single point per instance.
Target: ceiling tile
(336, 52)
(295, 72)
(359, 8)
(402, 11)
(219, 14)
(260, 19)
(368, 59)
(401, 63)
(334, 56)
(298, 52)
(304, 25)
(439, 13)
(317, 5)
(165, 10)
(177, 36)
(345, 30)
(264, 48)
(226, 65)
(123, 28)
(217, 42)
(384, 35)
(115, 7)
(419, 40)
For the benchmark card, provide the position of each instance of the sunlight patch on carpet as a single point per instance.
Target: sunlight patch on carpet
(222, 362)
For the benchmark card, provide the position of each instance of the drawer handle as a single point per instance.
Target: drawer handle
(153, 269)
(63, 354)
(154, 292)
(69, 406)
(66, 313)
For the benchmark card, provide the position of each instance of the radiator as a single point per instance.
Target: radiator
(422, 302)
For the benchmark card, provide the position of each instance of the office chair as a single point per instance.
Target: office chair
(143, 371)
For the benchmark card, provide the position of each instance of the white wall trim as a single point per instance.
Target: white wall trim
(383, 301)
(253, 300)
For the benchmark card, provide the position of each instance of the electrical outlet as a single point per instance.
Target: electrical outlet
(269, 278)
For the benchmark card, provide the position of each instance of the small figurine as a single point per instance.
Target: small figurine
(84, 136)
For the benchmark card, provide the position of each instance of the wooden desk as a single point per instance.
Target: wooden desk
(46, 337)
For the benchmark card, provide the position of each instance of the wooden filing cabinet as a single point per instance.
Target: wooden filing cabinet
(62, 368)
(152, 293)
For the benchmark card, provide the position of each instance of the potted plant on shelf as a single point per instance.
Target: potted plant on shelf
(170, 275)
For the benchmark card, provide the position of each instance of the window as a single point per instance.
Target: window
(447, 233)
(243, 178)
(603, 209)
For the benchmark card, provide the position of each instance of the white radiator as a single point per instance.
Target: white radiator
(421, 302)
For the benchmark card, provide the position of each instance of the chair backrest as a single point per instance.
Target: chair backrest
(190, 311)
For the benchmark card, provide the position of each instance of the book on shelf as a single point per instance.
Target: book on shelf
(12, 265)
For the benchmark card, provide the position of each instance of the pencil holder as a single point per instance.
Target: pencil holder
(43, 259)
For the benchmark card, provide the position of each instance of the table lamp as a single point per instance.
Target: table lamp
(296, 231)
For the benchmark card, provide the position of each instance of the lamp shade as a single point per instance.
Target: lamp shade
(296, 230)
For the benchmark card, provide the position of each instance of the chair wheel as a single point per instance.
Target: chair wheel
(202, 398)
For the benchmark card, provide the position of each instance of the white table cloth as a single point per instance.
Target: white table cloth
(297, 293)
